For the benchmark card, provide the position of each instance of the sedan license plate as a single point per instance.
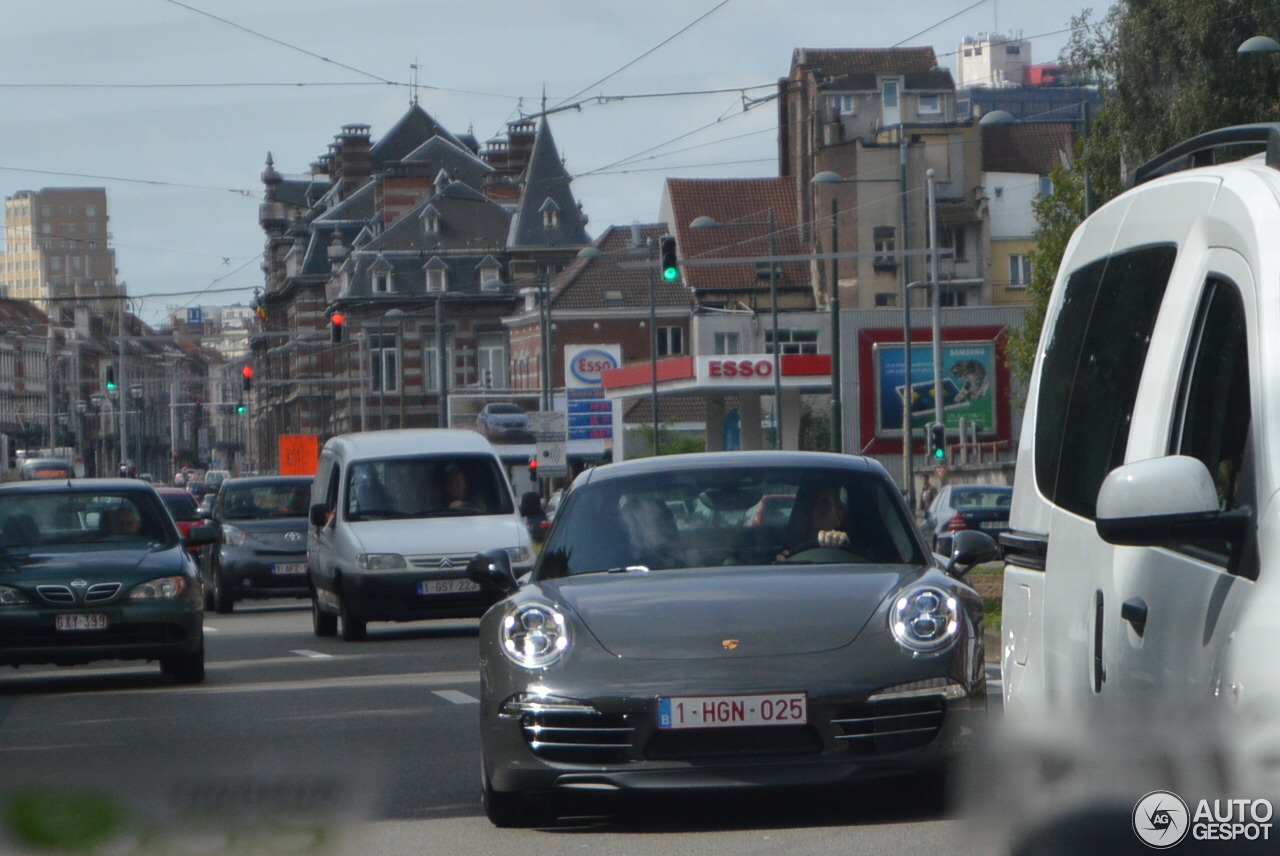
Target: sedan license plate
(733, 711)
(284, 569)
(994, 524)
(78, 621)
(447, 586)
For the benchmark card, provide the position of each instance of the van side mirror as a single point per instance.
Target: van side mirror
(492, 571)
(200, 535)
(319, 514)
(1164, 502)
(530, 504)
(969, 547)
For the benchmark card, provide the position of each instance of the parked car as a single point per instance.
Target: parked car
(396, 516)
(966, 506)
(182, 506)
(644, 653)
(261, 546)
(94, 569)
(504, 422)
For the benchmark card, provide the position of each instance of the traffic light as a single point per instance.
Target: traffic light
(533, 468)
(335, 328)
(111, 378)
(938, 443)
(246, 379)
(241, 409)
(670, 264)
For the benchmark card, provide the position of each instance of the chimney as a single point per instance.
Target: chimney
(352, 161)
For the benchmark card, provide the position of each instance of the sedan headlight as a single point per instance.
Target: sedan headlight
(379, 561)
(233, 536)
(520, 555)
(10, 596)
(161, 588)
(534, 635)
(925, 620)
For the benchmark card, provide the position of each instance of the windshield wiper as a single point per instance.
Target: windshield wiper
(629, 569)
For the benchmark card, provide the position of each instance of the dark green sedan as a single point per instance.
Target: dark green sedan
(95, 569)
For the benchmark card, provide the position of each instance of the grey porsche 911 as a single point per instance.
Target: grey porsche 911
(672, 637)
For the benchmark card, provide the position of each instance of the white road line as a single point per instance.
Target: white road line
(456, 696)
(314, 655)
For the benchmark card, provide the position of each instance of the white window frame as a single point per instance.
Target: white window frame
(1019, 270)
(437, 280)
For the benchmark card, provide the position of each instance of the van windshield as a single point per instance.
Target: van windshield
(426, 486)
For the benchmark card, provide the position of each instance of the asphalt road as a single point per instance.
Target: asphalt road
(296, 744)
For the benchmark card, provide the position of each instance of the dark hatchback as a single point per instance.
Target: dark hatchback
(260, 549)
(958, 507)
(94, 569)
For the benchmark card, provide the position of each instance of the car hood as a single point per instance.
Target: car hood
(62, 565)
(462, 535)
(680, 615)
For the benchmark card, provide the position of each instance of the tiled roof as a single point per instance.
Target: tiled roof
(858, 68)
(671, 408)
(610, 282)
(546, 179)
(438, 154)
(741, 207)
(414, 128)
(358, 207)
(1028, 147)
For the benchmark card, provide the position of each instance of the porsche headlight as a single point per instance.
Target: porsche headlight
(233, 536)
(162, 588)
(534, 636)
(925, 620)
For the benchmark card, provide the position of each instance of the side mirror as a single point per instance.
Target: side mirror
(1163, 502)
(530, 504)
(319, 515)
(492, 571)
(970, 547)
(200, 535)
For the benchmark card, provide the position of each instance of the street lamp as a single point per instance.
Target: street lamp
(705, 222)
(1258, 44)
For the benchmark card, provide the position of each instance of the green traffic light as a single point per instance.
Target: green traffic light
(939, 454)
(671, 274)
(241, 409)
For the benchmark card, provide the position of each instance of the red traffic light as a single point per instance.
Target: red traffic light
(533, 466)
(335, 331)
(337, 319)
(247, 371)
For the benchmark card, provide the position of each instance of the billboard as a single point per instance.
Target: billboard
(969, 386)
(590, 413)
(502, 417)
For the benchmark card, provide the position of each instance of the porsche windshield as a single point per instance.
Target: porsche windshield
(730, 517)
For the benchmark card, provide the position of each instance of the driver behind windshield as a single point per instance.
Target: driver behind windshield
(820, 519)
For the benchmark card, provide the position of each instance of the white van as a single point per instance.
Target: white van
(1143, 565)
(396, 516)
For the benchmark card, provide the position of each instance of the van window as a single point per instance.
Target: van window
(1092, 366)
(1214, 408)
(426, 486)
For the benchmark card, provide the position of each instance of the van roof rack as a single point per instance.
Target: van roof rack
(1201, 150)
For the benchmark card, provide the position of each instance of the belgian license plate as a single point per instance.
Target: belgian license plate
(80, 621)
(733, 711)
(993, 524)
(284, 569)
(447, 586)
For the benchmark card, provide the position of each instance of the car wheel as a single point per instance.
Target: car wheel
(208, 595)
(353, 629)
(323, 623)
(516, 810)
(184, 668)
(222, 602)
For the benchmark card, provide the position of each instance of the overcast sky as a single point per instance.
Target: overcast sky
(172, 105)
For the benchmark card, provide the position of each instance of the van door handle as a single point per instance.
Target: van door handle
(1134, 611)
(1099, 665)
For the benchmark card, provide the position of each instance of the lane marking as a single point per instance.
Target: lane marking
(314, 655)
(456, 696)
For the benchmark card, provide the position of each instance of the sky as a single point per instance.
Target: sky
(173, 105)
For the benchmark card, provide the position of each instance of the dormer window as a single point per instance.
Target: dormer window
(381, 282)
(550, 214)
(431, 220)
(490, 273)
(930, 104)
(437, 276)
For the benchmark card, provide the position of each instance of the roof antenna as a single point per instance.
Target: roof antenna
(413, 88)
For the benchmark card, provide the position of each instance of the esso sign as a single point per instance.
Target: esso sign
(587, 366)
(740, 368)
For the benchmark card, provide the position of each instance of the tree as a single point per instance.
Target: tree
(1170, 71)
